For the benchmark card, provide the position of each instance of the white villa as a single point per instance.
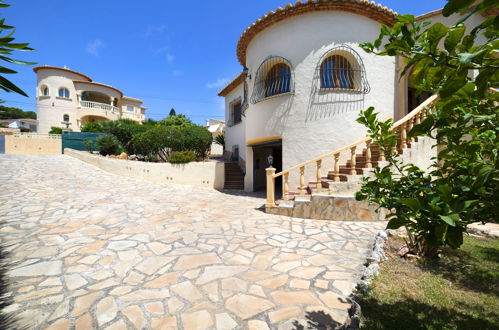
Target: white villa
(69, 99)
(304, 80)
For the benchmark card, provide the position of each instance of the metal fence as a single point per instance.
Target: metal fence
(75, 140)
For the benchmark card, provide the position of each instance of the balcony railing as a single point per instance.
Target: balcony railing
(99, 106)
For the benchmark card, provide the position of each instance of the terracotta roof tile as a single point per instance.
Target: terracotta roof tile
(361, 7)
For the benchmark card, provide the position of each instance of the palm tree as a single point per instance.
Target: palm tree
(220, 140)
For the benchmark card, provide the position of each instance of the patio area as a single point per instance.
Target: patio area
(96, 250)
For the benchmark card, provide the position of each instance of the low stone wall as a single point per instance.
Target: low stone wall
(201, 174)
(33, 144)
(327, 207)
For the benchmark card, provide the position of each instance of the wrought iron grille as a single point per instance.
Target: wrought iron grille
(273, 77)
(342, 69)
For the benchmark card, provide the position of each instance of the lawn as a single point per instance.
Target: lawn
(458, 291)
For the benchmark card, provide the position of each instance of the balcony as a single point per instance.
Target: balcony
(100, 106)
(95, 111)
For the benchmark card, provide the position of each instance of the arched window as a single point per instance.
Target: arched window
(45, 91)
(65, 118)
(277, 80)
(340, 69)
(337, 73)
(64, 92)
(273, 77)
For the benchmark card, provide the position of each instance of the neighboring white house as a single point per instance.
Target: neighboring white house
(215, 127)
(305, 80)
(69, 99)
(27, 124)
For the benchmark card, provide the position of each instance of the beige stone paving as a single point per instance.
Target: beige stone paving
(95, 250)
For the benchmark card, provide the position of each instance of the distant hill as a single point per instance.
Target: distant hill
(15, 113)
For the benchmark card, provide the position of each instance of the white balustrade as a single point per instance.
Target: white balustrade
(99, 106)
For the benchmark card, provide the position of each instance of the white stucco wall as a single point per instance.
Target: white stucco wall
(311, 124)
(200, 174)
(51, 109)
(137, 110)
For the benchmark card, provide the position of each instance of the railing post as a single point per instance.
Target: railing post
(285, 187)
(270, 187)
(368, 154)
(381, 155)
(302, 180)
(403, 136)
(409, 129)
(418, 119)
(352, 161)
(337, 167)
(318, 175)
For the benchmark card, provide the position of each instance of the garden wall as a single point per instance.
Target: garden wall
(33, 144)
(201, 174)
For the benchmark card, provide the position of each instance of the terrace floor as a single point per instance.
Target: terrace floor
(95, 250)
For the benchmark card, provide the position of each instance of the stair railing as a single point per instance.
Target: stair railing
(403, 126)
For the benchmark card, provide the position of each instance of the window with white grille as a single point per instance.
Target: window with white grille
(342, 69)
(273, 77)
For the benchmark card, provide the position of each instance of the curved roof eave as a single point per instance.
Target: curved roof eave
(362, 7)
(41, 67)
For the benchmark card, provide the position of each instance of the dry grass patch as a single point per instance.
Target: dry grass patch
(458, 291)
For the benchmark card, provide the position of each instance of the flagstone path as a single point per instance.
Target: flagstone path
(95, 250)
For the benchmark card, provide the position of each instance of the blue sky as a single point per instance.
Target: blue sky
(169, 53)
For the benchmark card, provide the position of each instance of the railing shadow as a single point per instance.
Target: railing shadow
(317, 320)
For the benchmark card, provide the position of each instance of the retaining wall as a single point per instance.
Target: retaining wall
(201, 174)
(34, 144)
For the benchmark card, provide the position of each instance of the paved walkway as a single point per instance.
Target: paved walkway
(95, 250)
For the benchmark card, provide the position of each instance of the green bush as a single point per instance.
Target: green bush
(176, 120)
(92, 127)
(55, 130)
(89, 145)
(108, 145)
(122, 129)
(162, 140)
(180, 157)
(197, 139)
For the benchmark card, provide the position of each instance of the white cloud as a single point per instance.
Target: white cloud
(165, 50)
(177, 73)
(94, 46)
(154, 29)
(221, 82)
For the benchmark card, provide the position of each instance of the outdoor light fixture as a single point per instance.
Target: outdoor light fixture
(270, 160)
(245, 72)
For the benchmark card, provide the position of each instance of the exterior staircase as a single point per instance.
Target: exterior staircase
(234, 177)
(331, 196)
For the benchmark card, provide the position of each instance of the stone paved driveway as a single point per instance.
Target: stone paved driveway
(95, 250)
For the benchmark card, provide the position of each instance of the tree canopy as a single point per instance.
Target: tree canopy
(462, 187)
(15, 113)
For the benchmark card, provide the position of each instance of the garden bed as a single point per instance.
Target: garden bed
(458, 291)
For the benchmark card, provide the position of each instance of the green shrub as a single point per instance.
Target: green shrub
(92, 127)
(180, 157)
(55, 130)
(122, 129)
(162, 140)
(89, 145)
(195, 138)
(108, 145)
(176, 120)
